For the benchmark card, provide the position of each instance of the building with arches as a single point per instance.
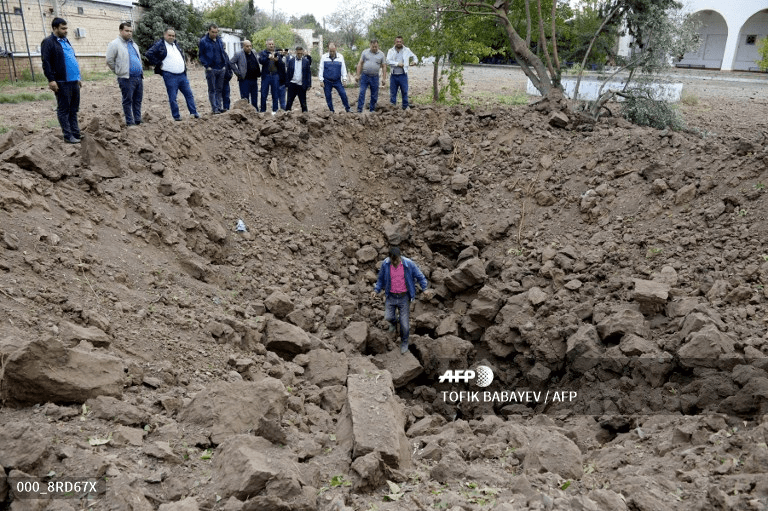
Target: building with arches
(729, 34)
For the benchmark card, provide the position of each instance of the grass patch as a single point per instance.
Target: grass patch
(689, 99)
(24, 97)
(4, 129)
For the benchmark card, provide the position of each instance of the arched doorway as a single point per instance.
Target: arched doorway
(712, 38)
(754, 29)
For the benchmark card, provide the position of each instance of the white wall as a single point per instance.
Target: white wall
(712, 38)
(746, 54)
(739, 16)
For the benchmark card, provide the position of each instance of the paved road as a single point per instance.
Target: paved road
(707, 84)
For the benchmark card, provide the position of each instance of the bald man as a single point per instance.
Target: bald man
(245, 65)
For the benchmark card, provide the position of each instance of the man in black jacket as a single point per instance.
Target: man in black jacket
(168, 58)
(298, 78)
(63, 73)
(245, 64)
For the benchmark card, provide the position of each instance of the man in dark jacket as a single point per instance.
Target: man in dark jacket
(272, 68)
(215, 61)
(63, 74)
(245, 65)
(299, 78)
(168, 58)
(398, 277)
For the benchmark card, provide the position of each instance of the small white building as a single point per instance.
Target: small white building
(233, 43)
(729, 34)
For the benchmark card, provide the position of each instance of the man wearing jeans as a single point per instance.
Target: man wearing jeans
(246, 67)
(168, 58)
(123, 59)
(214, 59)
(332, 75)
(371, 62)
(399, 58)
(272, 71)
(63, 74)
(398, 277)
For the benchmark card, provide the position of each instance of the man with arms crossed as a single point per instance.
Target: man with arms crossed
(399, 58)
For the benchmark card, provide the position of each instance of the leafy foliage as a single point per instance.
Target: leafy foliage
(640, 108)
(350, 22)
(282, 34)
(431, 32)
(762, 49)
(161, 14)
(238, 14)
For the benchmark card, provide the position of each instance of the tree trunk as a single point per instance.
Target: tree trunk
(528, 23)
(532, 65)
(435, 74)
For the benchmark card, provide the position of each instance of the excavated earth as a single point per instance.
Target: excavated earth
(147, 343)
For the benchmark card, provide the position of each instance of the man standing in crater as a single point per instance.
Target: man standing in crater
(398, 277)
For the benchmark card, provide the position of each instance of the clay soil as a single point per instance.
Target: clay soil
(625, 264)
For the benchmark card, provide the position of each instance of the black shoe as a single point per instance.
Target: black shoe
(138, 122)
(177, 118)
(196, 116)
(71, 140)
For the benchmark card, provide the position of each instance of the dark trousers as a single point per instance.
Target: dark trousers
(249, 89)
(132, 89)
(399, 304)
(329, 85)
(175, 83)
(225, 92)
(401, 82)
(215, 79)
(270, 83)
(293, 91)
(67, 105)
(281, 95)
(366, 81)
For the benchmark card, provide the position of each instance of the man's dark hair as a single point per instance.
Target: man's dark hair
(212, 25)
(374, 40)
(125, 24)
(58, 21)
(394, 252)
(299, 48)
(399, 37)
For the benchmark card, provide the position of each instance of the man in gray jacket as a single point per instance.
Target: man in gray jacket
(245, 65)
(123, 59)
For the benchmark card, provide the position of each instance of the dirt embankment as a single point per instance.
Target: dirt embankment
(146, 341)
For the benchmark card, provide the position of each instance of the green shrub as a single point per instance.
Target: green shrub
(641, 109)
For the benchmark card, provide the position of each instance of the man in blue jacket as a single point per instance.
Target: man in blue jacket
(398, 276)
(215, 61)
(299, 78)
(272, 69)
(168, 58)
(63, 74)
(332, 75)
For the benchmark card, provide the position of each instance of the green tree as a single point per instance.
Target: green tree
(283, 35)
(237, 14)
(186, 20)
(762, 49)
(431, 32)
(350, 23)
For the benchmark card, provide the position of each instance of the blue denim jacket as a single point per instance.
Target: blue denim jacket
(412, 275)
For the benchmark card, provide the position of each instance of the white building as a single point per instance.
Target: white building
(729, 34)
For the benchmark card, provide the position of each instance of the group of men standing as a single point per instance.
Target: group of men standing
(333, 74)
(280, 73)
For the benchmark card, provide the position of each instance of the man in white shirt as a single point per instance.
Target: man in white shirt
(399, 58)
(168, 58)
(299, 78)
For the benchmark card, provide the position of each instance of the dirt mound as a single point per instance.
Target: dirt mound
(619, 266)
